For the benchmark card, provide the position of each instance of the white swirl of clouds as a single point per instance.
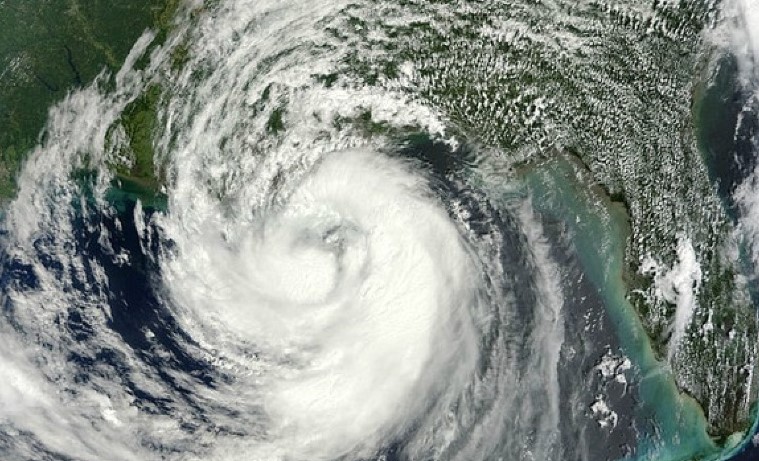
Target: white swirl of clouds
(339, 303)
(357, 295)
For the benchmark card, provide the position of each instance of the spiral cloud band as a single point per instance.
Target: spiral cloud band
(309, 292)
(358, 291)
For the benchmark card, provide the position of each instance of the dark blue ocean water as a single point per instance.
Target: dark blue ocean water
(136, 303)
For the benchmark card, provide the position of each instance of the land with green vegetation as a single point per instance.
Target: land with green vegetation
(50, 48)
(612, 83)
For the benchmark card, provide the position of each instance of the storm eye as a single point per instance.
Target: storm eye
(378, 230)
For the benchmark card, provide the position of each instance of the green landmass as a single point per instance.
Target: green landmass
(48, 48)
(614, 83)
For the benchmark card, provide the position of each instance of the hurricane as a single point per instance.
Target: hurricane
(317, 281)
(417, 230)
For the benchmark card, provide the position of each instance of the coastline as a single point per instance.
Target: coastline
(563, 189)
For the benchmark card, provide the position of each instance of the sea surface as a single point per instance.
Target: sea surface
(317, 268)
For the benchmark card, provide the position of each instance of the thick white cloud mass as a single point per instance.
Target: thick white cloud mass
(330, 298)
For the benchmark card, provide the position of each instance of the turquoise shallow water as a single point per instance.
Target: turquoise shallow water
(126, 190)
(598, 229)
